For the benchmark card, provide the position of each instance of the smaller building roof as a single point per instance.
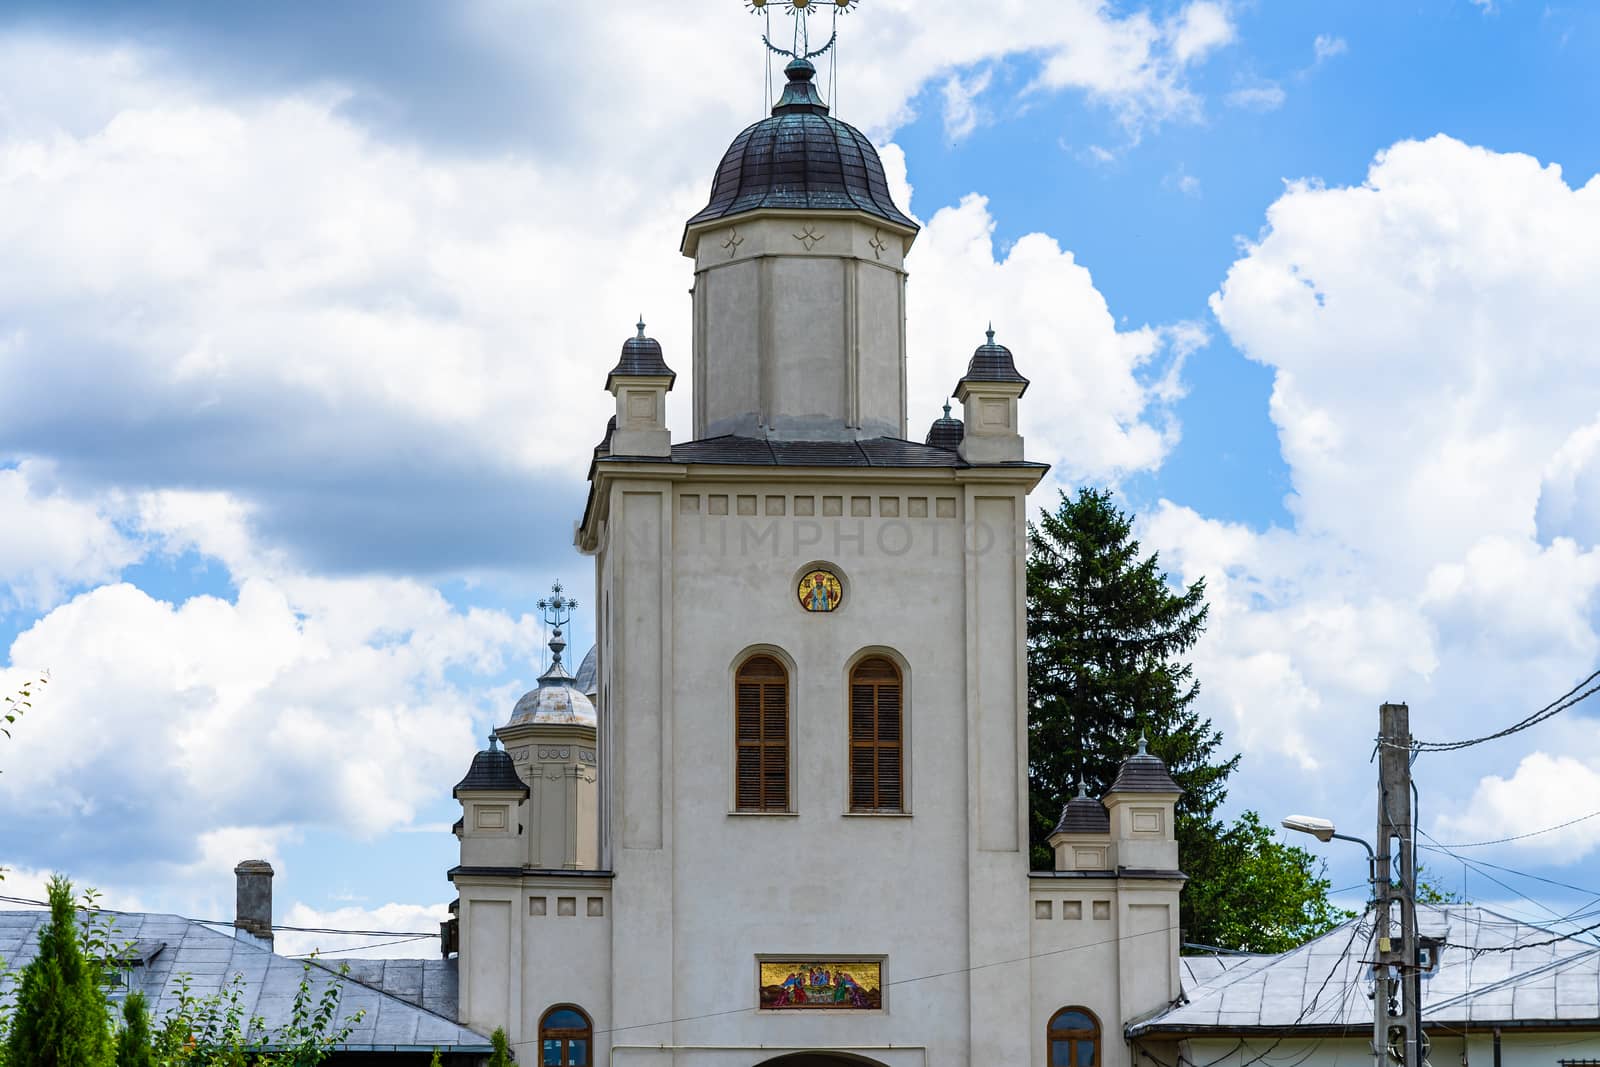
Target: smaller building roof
(993, 363)
(1144, 773)
(492, 771)
(411, 1008)
(1493, 970)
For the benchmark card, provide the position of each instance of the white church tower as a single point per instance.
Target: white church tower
(812, 744)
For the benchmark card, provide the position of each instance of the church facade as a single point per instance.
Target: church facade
(791, 825)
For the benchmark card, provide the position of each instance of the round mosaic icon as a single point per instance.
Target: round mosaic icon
(820, 591)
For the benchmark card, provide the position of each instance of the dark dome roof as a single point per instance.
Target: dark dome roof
(946, 432)
(993, 363)
(801, 159)
(641, 358)
(1084, 814)
(1144, 773)
(492, 771)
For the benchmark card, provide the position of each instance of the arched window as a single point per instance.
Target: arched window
(1074, 1039)
(877, 772)
(761, 735)
(566, 1037)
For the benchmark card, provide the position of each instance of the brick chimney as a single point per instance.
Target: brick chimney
(252, 916)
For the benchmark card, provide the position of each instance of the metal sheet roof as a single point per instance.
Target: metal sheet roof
(410, 1003)
(1493, 970)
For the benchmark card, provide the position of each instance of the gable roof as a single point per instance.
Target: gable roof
(1493, 971)
(412, 1011)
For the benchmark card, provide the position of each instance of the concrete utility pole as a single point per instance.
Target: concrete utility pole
(1399, 979)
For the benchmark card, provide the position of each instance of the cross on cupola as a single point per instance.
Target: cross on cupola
(557, 609)
(800, 11)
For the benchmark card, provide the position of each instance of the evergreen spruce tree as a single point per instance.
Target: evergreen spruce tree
(1106, 640)
(61, 1018)
(501, 1056)
(133, 1042)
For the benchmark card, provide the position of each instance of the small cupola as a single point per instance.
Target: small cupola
(1143, 772)
(492, 771)
(946, 432)
(1083, 835)
(989, 392)
(1141, 804)
(640, 381)
(1083, 814)
(558, 699)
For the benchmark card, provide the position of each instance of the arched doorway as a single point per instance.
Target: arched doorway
(820, 1059)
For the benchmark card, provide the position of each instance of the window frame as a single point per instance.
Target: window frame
(1072, 1035)
(903, 745)
(763, 746)
(566, 1035)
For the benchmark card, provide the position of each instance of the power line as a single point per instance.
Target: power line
(1530, 833)
(1561, 703)
(364, 948)
(226, 923)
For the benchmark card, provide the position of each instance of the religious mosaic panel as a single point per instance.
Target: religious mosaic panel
(839, 985)
(820, 590)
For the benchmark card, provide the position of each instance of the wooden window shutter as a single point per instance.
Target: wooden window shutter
(877, 771)
(761, 735)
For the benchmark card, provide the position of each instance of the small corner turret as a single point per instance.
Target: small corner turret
(989, 392)
(1141, 806)
(491, 796)
(1081, 839)
(640, 381)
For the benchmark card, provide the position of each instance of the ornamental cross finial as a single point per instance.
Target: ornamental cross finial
(557, 609)
(800, 11)
(990, 332)
(641, 337)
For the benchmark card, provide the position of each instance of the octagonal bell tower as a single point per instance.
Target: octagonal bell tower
(799, 295)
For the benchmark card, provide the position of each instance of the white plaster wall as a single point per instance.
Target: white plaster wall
(700, 899)
(567, 957)
(800, 327)
(1075, 959)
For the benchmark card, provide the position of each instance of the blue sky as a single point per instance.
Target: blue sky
(307, 311)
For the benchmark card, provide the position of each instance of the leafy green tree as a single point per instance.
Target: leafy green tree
(1433, 891)
(314, 1029)
(1274, 895)
(502, 1048)
(61, 1018)
(134, 1042)
(214, 1030)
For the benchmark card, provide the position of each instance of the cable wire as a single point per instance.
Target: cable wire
(1571, 697)
(224, 922)
(1520, 837)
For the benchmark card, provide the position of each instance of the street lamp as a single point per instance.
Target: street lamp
(1323, 830)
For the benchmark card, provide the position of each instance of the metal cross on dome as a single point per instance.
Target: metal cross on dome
(801, 11)
(557, 609)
